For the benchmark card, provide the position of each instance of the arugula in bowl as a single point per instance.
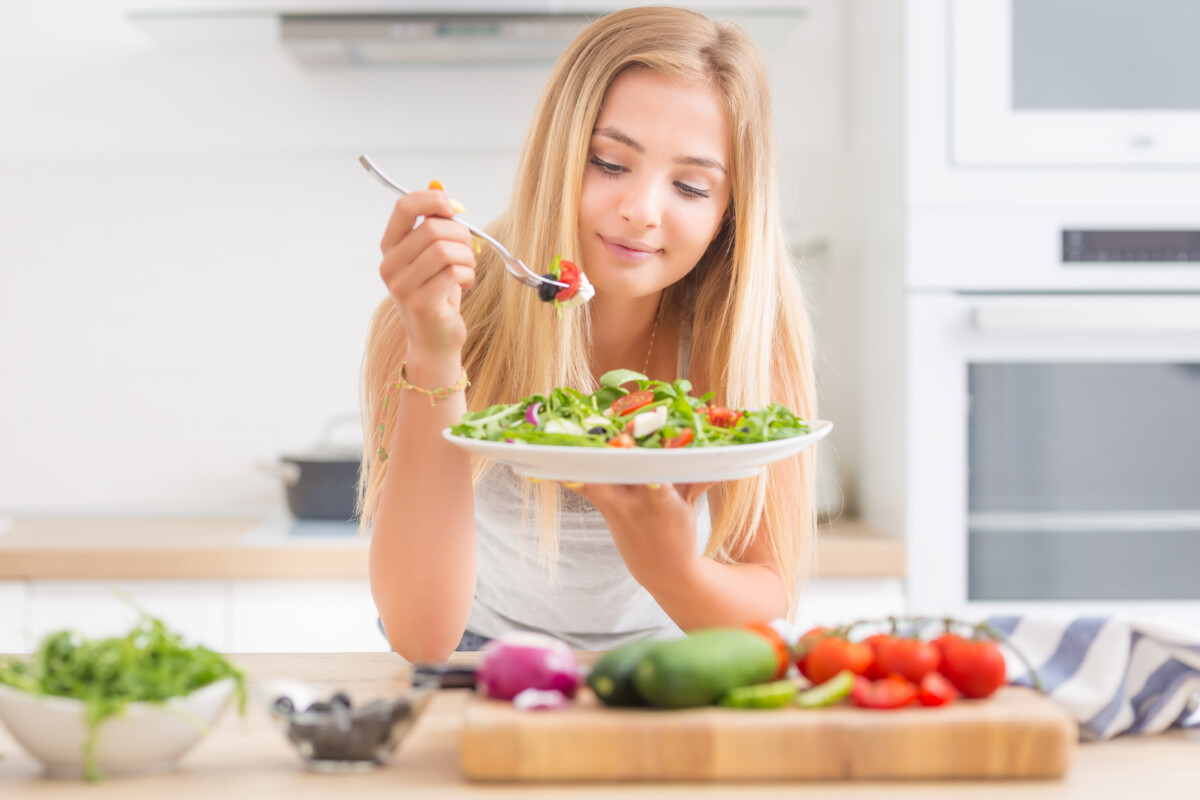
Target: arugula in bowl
(149, 665)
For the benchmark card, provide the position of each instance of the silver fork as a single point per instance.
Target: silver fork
(515, 266)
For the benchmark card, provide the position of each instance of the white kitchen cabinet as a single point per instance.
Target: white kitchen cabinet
(303, 616)
(837, 601)
(196, 609)
(14, 618)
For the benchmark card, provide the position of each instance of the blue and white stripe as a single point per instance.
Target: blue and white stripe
(1114, 675)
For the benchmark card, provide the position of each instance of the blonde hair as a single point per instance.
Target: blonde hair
(747, 299)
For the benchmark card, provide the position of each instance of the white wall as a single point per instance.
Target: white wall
(188, 248)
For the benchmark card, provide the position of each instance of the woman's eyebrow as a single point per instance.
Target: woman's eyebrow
(610, 132)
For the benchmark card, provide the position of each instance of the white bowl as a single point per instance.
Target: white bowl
(145, 738)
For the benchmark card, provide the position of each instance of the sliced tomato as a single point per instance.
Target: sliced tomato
(622, 439)
(886, 693)
(684, 438)
(722, 417)
(935, 690)
(568, 273)
(632, 402)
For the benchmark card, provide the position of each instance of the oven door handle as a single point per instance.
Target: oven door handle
(1118, 316)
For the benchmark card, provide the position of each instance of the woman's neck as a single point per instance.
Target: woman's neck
(622, 330)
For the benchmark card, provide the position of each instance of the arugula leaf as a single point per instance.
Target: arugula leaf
(614, 379)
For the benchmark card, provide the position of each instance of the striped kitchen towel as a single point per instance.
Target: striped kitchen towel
(1115, 675)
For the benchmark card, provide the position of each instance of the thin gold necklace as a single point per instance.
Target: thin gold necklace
(654, 330)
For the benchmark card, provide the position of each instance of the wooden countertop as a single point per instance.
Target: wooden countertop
(91, 548)
(250, 758)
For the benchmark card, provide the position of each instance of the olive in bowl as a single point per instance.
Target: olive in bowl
(334, 734)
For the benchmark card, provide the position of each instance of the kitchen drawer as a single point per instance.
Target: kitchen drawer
(194, 609)
(303, 616)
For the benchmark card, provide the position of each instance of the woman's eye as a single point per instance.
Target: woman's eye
(611, 169)
(690, 191)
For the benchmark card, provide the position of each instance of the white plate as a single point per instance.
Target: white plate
(639, 465)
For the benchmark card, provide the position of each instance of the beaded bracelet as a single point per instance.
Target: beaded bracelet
(434, 394)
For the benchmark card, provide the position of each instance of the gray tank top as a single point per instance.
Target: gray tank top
(592, 602)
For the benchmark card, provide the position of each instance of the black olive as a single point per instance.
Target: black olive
(341, 699)
(284, 705)
(745, 430)
(547, 291)
(599, 429)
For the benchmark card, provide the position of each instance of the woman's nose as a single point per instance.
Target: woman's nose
(642, 206)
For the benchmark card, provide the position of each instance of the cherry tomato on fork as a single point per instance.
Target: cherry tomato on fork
(568, 273)
(632, 402)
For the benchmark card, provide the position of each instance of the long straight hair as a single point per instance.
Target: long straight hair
(743, 297)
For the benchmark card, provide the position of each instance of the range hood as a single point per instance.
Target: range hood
(373, 33)
(329, 33)
(380, 39)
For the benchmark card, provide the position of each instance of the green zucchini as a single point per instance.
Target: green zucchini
(700, 668)
(611, 677)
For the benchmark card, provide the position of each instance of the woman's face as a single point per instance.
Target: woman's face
(656, 184)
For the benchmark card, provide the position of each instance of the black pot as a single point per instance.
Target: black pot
(322, 483)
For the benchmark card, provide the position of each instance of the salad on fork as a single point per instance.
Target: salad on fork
(564, 284)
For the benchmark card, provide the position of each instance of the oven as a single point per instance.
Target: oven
(1054, 453)
(1109, 82)
(1028, 223)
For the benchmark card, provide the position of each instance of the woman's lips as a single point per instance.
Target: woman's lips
(630, 254)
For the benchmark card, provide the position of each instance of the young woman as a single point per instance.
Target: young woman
(650, 163)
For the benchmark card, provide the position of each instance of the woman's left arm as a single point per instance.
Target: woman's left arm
(654, 529)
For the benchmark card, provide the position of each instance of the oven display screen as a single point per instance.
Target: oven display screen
(1105, 246)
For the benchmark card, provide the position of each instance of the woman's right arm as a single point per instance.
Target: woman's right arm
(422, 559)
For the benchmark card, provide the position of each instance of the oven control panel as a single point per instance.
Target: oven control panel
(1117, 246)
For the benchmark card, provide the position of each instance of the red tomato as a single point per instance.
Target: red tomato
(935, 690)
(721, 416)
(876, 642)
(622, 439)
(568, 273)
(975, 666)
(806, 643)
(682, 439)
(832, 654)
(885, 693)
(632, 402)
(781, 649)
(912, 658)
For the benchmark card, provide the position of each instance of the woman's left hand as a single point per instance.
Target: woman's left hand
(653, 526)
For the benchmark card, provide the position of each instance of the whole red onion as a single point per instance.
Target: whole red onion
(520, 660)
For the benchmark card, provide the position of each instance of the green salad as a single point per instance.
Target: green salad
(655, 415)
(150, 664)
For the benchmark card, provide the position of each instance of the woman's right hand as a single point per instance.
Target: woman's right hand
(426, 267)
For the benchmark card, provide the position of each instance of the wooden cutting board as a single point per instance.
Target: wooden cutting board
(1015, 733)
